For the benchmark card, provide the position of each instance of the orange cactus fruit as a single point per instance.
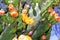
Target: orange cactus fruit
(2, 12)
(57, 17)
(50, 9)
(14, 13)
(11, 7)
(43, 37)
(24, 11)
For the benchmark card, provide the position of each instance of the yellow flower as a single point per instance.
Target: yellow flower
(29, 20)
(21, 37)
(24, 17)
(28, 37)
(24, 37)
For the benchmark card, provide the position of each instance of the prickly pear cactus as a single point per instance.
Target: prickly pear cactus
(27, 18)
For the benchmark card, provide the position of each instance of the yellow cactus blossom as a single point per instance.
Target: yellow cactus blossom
(26, 21)
(29, 20)
(24, 17)
(28, 37)
(21, 37)
(24, 37)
